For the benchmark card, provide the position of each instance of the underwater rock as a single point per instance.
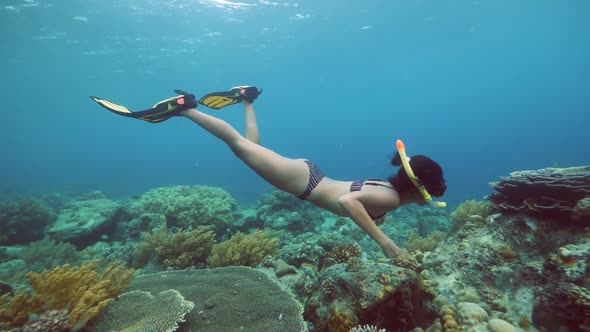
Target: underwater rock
(142, 311)
(232, 298)
(83, 222)
(381, 294)
(24, 221)
(282, 268)
(499, 325)
(470, 315)
(548, 192)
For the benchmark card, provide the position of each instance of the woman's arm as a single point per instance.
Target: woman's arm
(353, 205)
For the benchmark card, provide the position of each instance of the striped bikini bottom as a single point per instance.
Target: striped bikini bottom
(315, 176)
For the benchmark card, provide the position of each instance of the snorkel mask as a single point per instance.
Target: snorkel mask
(401, 149)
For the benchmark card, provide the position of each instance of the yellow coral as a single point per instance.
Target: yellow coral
(448, 319)
(467, 209)
(417, 243)
(176, 250)
(242, 249)
(340, 321)
(82, 291)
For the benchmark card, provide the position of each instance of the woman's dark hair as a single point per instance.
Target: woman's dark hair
(426, 170)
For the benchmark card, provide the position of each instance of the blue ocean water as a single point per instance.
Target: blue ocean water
(483, 87)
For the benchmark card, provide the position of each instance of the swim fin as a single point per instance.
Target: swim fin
(218, 100)
(161, 111)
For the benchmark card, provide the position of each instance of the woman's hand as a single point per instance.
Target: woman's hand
(390, 249)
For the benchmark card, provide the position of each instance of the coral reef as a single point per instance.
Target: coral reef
(341, 254)
(581, 211)
(224, 299)
(83, 291)
(187, 207)
(146, 222)
(82, 222)
(380, 294)
(111, 251)
(175, 250)
(47, 254)
(50, 321)
(36, 257)
(24, 221)
(367, 328)
(562, 307)
(244, 249)
(143, 312)
(309, 248)
(548, 192)
(417, 243)
(278, 210)
(471, 211)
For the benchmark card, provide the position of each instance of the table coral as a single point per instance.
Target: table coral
(143, 312)
(235, 298)
(543, 192)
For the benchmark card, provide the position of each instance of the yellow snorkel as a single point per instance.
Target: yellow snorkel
(401, 148)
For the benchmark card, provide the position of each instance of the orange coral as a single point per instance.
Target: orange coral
(82, 291)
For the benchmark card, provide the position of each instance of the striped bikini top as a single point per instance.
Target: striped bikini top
(357, 185)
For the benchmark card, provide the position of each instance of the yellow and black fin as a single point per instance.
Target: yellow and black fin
(218, 100)
(161, 111)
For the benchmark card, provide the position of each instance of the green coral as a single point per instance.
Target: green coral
(24, 221)
(244, 249)
(188, 206)
(471, 210)
(176, 250)
(429, 243)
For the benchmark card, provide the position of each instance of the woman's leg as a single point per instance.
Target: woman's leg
(252, 133)
(290, 175)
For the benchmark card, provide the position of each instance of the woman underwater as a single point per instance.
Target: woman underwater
(365, 202)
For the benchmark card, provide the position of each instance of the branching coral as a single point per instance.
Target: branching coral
(245, 250)
(83, 291)
(176, 250)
